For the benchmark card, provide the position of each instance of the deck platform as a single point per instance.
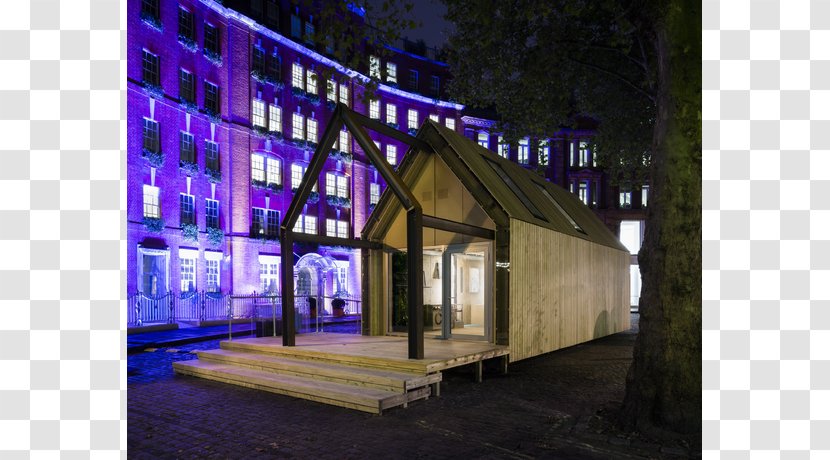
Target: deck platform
(358, 372)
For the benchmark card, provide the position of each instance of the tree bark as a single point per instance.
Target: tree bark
(663, 387)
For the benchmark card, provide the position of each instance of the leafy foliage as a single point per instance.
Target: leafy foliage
(215, 236)
(156, 159)
(214, 175)
(189, 168)
(190, 232)
(502, 55)
(338, 201)
(154, 224)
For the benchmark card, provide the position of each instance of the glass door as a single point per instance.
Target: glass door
(467, 299)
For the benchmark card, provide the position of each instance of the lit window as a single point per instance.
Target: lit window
(187, 86)
(645, 195)
(391, 72)
(374, 67)
(484, 140)
(331, 91)
(374, 193)
(269, 270)
(297, 76)
(583, 153)
(310, 224)
(151, 135)
(344, 94)
(331, 184)
(544, 153)
(343, 186)
(212, 270)
(450, 123)
(412, 119)
(186, 207)
(212, 213)
(297, 172)
(257, 168)
(274, 175)
(345, 143)
(311, 130)
(434, 117)
(331, 227)
(524, 150)
(342, 229)
(188, 274)
(504, 148)
(631, 235)
(275, 118)
(392, 154)
(297, 122)
(583, 192)
(343, 273)
(391, 113)
(211, 155)
(258, 117)
(187, 151)
(311, 82)
(625, 199)
(374, 109)
(151, 201)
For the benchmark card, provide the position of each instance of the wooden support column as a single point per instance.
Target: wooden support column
(415, 290)
(479, 371)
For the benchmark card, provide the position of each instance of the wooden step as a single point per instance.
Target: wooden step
(391, 364)
(363, 399)
(346, 373)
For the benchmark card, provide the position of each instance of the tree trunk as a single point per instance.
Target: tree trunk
(663, 387)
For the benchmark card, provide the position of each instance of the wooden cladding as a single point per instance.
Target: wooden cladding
(563, 290)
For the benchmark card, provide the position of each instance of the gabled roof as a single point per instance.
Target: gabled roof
(501, 187)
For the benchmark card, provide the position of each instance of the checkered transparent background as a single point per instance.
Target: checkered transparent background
(766, 229)
(766, 210)
(62, 221)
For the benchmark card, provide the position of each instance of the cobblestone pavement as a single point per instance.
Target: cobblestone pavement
(552, 406)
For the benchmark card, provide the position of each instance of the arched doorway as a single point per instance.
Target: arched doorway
(312, 272)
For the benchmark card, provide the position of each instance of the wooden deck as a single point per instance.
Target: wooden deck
(358, 372)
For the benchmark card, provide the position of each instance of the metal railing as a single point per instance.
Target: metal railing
(172, 307)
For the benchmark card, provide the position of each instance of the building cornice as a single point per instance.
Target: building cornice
(259, 28)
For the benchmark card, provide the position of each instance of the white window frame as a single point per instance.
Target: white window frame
(297, 126)
(524, 150)
(213, 279)
(297, 172)
(344, 94)
(374, 109)
(544, 153)
(311, 130)
(450, 123)
(504, 149)
(342, 186)
(412, 119)
(344, 142)
(374, 193)
(258, 112)
(331, 184)
(644, 195)
(392, 154)
(483, 139)
(273, 170)
(391, 113)
(187, 270)
(374, 67)
(269, 269)
(391, 72)
(297, 80)
(275, 118)
(257, 167)
(151, 201)
(311, 81)
(434, 117)
(331, 91)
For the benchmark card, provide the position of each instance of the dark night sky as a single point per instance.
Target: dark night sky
(430, 13)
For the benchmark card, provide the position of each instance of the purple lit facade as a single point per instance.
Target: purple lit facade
(222, 120)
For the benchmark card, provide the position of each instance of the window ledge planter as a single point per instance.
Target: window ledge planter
(190, 232)
(392, 125)
(331, 105)
(213, 57)
(156, 159)
(215, 236)
(153, 90)
(339, 155)
(258, 184)
(214, 175)
(338, 201)
(154, 224)
(214, 117)
(313, 197)
(189, 106)
(188, 43)
(152, 22)
(412, 131)
(189, 168)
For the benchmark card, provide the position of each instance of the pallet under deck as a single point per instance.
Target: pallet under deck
(358, 372)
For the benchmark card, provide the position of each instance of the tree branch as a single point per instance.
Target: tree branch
(617, 76)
